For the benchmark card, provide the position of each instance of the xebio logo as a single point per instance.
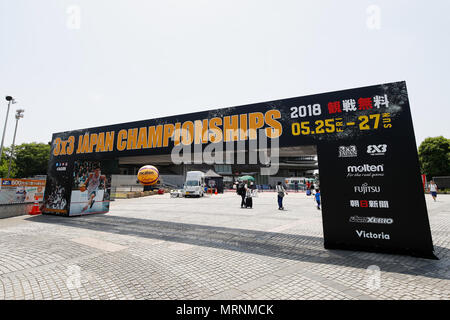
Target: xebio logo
(366, 170)
(377, 150)
(357, 219)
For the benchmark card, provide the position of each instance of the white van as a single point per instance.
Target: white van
(301, 182)
(195, 184)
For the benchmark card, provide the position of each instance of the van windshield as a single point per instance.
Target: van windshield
(192, 183)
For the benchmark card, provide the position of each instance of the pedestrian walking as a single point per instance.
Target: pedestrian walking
(317, 196)
(242, 191)
(433, 189)
(281, 192)
(249, 197)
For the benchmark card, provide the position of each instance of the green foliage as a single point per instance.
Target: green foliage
(29, 159)
(4, 162)
(434, 157)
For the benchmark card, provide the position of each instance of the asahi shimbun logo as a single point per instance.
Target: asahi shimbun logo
(373, 235)
(348, 151)
(377, 149)
(366, 188)
(382, 204)
(357, 219)
(366, 170)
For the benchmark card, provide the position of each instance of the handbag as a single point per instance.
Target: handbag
(280, 191)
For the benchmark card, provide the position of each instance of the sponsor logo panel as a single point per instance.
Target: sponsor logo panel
(376, 220)
(382, 204)
(61, 166)
(373, 235)
(365, 170)
(348, 151)
(377, 149)
(366, 188)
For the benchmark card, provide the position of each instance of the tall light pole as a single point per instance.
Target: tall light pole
(19, 114)
(10, 100)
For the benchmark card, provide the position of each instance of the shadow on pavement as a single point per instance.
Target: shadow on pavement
(273, 244)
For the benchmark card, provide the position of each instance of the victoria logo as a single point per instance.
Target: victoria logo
(371, 235)
(377, 150)
(347, 151)
(365, 188)
(366, 170)
(357, 219)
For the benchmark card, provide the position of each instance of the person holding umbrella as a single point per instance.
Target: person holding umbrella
(241, 190)
(245, 191)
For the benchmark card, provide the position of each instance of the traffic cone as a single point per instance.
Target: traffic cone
(35, 210)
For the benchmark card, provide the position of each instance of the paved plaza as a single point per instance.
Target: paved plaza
(159, 247)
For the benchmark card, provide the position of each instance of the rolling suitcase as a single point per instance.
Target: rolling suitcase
(248, 202)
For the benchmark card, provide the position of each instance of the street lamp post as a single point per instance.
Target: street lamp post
(10, 100)
(19, 114)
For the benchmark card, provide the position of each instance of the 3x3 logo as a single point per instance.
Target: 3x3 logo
(352, 151)
(377, 150)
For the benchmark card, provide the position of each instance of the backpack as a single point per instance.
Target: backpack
(240, 189)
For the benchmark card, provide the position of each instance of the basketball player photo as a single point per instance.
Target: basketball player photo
(92, 185)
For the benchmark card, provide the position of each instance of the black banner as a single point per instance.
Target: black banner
(369, 172)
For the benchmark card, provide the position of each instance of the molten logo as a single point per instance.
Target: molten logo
(366, 168)
(148, 175)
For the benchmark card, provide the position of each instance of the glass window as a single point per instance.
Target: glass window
(222, 168)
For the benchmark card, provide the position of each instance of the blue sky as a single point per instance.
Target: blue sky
(133, 60)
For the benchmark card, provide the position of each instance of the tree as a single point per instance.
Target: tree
(31, 159)
(434, 157)
(4, 163)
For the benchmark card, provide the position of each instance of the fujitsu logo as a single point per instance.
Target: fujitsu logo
(365, 188)
(366, 168)
(372, 235)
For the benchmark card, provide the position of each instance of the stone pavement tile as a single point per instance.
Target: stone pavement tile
(189, 249)
(230, 294)
(99, 244)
